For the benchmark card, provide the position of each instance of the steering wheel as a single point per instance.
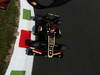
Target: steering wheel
(41, 4)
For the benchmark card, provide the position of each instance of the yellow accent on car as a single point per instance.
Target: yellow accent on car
(34, 3)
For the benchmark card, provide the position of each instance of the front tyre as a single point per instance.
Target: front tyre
(29, 51)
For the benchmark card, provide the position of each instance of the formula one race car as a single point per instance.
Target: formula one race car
(47, 34)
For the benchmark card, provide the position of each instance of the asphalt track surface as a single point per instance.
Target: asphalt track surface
(81, 31)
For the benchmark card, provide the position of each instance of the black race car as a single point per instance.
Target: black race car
(47, 34)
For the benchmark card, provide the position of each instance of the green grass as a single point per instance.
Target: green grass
(18, 73)
(26, 14)
(7, 25)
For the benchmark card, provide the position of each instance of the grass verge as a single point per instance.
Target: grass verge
(7, 28)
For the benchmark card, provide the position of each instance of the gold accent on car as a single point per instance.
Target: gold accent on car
(34, 3)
